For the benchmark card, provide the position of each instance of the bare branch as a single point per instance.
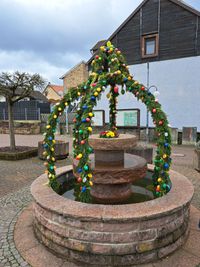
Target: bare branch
(17, 86)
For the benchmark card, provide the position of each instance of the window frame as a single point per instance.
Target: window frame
(143, 43)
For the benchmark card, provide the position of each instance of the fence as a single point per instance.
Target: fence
(25, 110)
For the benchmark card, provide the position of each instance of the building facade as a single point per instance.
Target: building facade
(53, 93)
(164, 34)
(75, 76)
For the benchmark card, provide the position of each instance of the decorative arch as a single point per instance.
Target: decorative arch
(108, 69)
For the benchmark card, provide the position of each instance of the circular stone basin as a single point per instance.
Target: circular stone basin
(123, 142)
(112, 235)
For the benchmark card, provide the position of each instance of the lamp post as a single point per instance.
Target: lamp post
(156, 93)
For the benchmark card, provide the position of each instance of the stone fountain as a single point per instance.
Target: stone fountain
(114, 171)
(115, 234)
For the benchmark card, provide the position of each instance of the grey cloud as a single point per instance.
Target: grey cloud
(52, 36)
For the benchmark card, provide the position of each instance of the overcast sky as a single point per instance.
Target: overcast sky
(51, 36)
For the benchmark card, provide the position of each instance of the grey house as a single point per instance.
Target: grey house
(164, 34)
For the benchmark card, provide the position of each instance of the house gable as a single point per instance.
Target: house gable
(177, 26)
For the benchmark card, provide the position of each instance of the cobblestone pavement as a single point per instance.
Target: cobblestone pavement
(10, 207)
(16, 177)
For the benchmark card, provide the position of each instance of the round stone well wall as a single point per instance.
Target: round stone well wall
(112, 235)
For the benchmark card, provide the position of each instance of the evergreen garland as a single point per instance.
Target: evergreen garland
(108, 69)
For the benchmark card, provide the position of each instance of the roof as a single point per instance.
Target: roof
(177, 2)
(69, 71)
(37, 95)
(98, 44)
(56, 88)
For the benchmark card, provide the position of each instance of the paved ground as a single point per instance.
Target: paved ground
(16, 177)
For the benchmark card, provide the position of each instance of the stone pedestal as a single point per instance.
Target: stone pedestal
(61, 150)
(113, 170)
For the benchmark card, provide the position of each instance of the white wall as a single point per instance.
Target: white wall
(178, 82)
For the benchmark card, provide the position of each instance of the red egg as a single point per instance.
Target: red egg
(87, 119)
(116, 89)
(154, 110)
(82, 142)
(79, 180)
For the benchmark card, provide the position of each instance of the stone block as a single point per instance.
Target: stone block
(145, 152)
(101, 237)
(189, 135)
(174, 135)
(163, 252)
(170, 227)
(134, 236)
(196, 160)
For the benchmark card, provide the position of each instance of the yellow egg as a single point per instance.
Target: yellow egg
(108, 95)
(159, 180)
(129, 78)
(78, 93)
(48, 126)
(90, 175)
(66, 104)
(91, 183)
(53, 159)
(53, 141)
(95, 93)
(52, 149)
(90, 129)
(59, 108)
(164, 156)
(55, 116)
(98, 89)
(90, 114)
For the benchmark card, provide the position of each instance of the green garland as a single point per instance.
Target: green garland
(108, 68)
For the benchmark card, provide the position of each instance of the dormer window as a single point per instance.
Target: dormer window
(150, 45)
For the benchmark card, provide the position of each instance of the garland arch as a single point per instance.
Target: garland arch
(108, 69)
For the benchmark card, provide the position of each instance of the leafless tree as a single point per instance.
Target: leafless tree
(14, 87)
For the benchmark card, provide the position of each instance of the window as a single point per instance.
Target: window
(150, 45)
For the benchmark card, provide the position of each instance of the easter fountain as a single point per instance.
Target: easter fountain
(101, 224)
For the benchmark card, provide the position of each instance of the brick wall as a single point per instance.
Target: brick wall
(75, 76)
(21, 127)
